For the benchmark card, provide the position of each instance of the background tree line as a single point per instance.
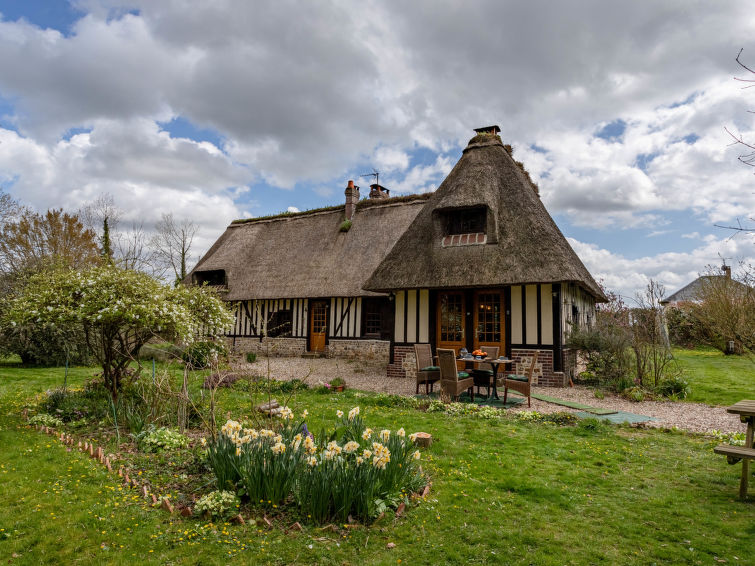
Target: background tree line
(33, 243)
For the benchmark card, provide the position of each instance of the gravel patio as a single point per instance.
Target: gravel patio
(693, 417)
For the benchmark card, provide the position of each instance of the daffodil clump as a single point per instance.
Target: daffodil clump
(352, 471)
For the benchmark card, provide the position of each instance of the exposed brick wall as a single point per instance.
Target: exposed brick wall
(404, 364)
(464, 240)
(543, 374)
(278, 347)
(366, 350)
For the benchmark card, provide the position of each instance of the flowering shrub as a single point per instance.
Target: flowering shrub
(118, 310)
(355, 471)
(157, 439)
(217, 504)
(45, 420)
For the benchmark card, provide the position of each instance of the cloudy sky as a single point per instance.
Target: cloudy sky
(228, 109)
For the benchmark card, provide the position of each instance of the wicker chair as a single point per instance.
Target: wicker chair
(427, 373)
(483, 374)
(452, 381)
(521, 383)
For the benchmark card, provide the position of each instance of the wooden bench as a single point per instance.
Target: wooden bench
(733, 455)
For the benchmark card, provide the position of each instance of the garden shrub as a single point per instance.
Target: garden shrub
(45, 420)
(464, 409)
(263, 385)
(636, 394)
(90, 403)
(251, 357)
(157, 439)
(217, 504)
(160, 352)
(202, 355)
(673, 387)
(46, 346)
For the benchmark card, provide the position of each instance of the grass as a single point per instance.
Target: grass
(715, 378)
(504, 491)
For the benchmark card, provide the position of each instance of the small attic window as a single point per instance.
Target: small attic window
(466, 221)
(211, 277)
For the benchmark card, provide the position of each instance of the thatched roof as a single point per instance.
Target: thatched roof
(524, 245)
(306, 254)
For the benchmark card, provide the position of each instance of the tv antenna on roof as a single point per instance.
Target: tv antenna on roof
(375, 173)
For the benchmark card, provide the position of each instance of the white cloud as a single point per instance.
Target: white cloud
(292, 209)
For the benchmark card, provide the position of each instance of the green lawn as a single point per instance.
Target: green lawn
(717, 379)
(504, 492)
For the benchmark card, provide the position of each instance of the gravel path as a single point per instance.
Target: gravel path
(693, 417)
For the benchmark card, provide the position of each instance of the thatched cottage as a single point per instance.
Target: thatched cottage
(477, 263)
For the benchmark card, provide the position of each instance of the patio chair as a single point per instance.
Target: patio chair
(452, 381)
(427, 373)
(483, 373)
(521, 383)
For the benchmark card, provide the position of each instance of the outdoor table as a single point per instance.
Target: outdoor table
(494, 362)
(746, 411)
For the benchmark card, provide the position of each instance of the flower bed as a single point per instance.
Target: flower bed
(349, 472)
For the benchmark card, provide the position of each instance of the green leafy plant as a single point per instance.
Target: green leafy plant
(45, 420)
(673, 387)
(218, 504)
(251, 357)
(345, 226)
(158, 439)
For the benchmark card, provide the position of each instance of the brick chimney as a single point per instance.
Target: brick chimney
(727, 270)
(378, 191)
(352, 198)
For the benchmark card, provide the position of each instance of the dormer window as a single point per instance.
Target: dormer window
(464, 226)
(215, 277)
(466, 221)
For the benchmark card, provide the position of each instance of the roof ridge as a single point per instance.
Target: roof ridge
(362, 204)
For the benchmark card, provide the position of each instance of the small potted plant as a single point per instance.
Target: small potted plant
(336, 384)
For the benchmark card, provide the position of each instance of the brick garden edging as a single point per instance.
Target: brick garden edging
(98, 453)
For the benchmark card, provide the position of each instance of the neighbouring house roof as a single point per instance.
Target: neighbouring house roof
(691, 292)
(523, 244)
(305, 254)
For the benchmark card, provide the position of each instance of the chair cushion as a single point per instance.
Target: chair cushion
(518, 378)
(462, 374)
(430, 368)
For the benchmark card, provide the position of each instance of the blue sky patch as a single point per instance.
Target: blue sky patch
(686, 101)
(180, 127)
(537, 148)
(690, 138)
(612, 131)
(75, 131)
(56, 14)
(644, 159)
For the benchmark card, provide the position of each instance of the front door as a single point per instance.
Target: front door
(318, 325)
(450, 317)
(489, 320)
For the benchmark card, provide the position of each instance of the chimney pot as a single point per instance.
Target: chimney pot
(352, 198)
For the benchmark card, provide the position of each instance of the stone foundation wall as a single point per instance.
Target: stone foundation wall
(377, 351)
(543, 374)
(278, 347)
(404, 363)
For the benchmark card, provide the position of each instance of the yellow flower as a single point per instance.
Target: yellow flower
(312, 461)
(400, 432)
(279, 448)
(339, 414)
(351, 446)
(385, 434)
(203, 441)
(353, 413)
(416, 455)
(367, 433)
(304, 414)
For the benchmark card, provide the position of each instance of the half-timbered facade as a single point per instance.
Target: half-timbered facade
(477, 263)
